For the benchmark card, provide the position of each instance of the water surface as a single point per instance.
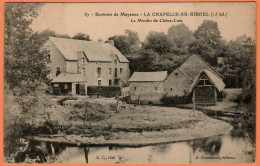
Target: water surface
(216, 149)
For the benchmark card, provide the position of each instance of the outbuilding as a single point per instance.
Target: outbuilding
(147, 87)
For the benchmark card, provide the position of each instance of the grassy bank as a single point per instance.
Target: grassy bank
(101, 121)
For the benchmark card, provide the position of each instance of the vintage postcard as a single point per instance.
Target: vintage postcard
(135, 83)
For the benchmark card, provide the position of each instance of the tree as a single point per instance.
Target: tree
(81, 36)
(208, 43)
(66, 36)
(239, 67)
(23, 59)
(180, 38)
(128, 43)
(25, 71)
(157, 41)
(133, 40)
(143, 60)
(121, 43)
(43, 35)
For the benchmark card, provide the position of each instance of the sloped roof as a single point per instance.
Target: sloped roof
(194, 65)
(68, 78)
(94, 51)
(217, 82)
(148, 76)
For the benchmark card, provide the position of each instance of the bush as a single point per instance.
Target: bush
(67, 98)
(175, 100)
(221, 95)
(105, 91)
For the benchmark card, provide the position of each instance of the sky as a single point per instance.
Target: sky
(71, 18)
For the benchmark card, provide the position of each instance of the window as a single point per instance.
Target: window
(121, 70)
(135, 88)
(57, 71)
(115, 61)
(83, 71)
(82, 60)
(155, 88)
(56, 85)
(110, 71)
(49, 57)
(176, 74)
(171, 89)
(99, 72)
(116, 82)
(110, 82)
(115, 72)
(99, 82)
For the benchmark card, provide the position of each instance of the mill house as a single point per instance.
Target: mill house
(77, 64)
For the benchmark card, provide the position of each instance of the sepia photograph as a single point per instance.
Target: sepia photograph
(134, 83)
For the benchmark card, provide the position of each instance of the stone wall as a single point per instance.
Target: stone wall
(176, 84)
(72, 66)
(56, 58)
(90, 68)
(146, 91)
(91, 73)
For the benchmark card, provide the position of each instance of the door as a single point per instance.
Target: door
(205, 95)
(116, 82)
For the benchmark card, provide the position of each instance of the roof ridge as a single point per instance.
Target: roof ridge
(209, 65)
(78, 40)
(95, 51)
(148, 71)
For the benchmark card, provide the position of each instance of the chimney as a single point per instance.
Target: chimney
(111, 42)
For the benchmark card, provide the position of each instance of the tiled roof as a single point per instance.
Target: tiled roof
(148, 76)
(68, 78)
(94, 51)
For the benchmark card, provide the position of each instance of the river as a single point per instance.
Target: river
(227, 148)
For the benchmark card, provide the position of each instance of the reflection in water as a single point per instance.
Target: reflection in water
(161, 148)
(86, 151)
(217, 149)
(210, 146)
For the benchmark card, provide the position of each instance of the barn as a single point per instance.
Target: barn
(205, 87)
(194, 75)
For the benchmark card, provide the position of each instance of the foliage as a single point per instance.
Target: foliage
(21, 108)
(180, 38)
(121, 43)
(105, 91)
(238, 66)
(25, 71)
(175, 100)
(148, 60)
(43, 35)
(142, 61)
(81, 36)
(207, 43)
(128, 43)
(158, 42)
(23, 59)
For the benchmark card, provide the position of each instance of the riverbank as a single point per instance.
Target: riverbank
(100, 123)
